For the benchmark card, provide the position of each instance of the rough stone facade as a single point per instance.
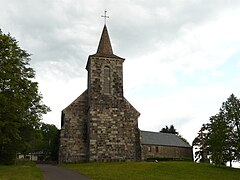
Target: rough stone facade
(112, 121)
(156, 151)
(73, 137)
(164, 145)
(101, 125)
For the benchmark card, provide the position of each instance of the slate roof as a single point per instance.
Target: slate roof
(104, 46)
(162, 139)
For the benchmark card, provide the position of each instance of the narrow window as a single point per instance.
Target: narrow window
(149, 148)
(106, 80)
(156, 149)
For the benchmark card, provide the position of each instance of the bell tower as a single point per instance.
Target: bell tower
(113, 134)
(101, 125)
(105, 72)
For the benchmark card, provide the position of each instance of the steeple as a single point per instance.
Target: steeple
(104, 46)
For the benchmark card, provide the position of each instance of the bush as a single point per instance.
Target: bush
(154, 159)
(7, 156)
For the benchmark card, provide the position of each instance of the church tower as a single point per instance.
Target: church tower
(101, 125)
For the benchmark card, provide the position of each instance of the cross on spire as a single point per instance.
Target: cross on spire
(105, 16)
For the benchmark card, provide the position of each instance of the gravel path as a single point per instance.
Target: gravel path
(58, 173)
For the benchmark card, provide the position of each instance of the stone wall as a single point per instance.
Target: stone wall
(95, 67)
(151, 151)
(101, 125)
(73, 137)
(113, 122)
(113, 134)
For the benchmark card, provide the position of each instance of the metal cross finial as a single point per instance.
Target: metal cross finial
(105, 16)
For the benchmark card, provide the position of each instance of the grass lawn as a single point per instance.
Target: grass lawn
(152, 170)
(20, 172)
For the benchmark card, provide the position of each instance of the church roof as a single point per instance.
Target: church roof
(162, 139)
(104, 46)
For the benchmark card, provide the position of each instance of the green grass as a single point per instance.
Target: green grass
(152, 170)
(20, 172)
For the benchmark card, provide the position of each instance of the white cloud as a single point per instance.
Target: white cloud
(58, 94)
(186, 109)
(176, 53)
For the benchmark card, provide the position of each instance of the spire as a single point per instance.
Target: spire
(104, 46)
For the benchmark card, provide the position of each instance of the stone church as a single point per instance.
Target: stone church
(101, 125)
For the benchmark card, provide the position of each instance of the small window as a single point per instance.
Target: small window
(107, 80)
(149, 148)
(156, 149)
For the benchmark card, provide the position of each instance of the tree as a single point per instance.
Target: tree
(200, 145)
(223, 133)
(231, 110)
(21, 104)
(217, 139)
(171, 130)
(50, 142)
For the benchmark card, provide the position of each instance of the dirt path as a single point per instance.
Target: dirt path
(58, 173)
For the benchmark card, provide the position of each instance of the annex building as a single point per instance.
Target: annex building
(101, 125)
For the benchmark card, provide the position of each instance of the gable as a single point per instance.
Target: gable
(131, 108)
(162, 139)
(82, 99)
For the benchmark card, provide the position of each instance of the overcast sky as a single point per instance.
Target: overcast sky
(182, 56)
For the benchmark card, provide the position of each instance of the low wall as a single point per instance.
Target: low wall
(151, 151)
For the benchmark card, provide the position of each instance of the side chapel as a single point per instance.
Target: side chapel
(101, 125)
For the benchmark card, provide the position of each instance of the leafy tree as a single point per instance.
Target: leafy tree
(170, 129)
(50, 142)
(200, 143)
(231, 110)
(21, 107)
(223, 133)
(217, 139)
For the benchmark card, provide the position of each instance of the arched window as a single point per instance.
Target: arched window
(106, 86)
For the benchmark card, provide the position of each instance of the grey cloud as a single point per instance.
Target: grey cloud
(137, 34)
(68, 31)
(51, 32)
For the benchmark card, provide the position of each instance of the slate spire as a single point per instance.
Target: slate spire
(104, 46)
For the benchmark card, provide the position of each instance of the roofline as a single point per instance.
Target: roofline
(101, 56)
(167, 134)
(106, 56)
(158, 132)
(168, 145)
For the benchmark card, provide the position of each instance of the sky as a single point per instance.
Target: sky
(182, 57)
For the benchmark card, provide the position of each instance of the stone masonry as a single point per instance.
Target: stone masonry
(153, 151)
(101, 125)
(73, 136)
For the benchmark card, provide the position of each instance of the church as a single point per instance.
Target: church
(102, 126)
